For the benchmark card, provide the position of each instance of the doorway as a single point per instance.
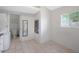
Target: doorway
(14, 25)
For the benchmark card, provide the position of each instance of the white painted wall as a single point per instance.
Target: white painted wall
(45, 23)
(30, 26)
(4, 21)
(68, 37)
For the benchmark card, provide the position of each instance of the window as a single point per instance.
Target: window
(70, 19)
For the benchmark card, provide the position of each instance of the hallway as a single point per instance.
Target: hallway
(32, 46)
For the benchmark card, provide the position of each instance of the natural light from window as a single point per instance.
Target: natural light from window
(70, 19)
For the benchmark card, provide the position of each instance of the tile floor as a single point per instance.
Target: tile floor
(32, 46)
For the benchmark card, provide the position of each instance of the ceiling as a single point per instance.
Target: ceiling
(21, 9)
(53, 7)
(25, 9)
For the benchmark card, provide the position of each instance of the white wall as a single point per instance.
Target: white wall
(4, 22)
(45, 23)
(68, 37)
(30, 26)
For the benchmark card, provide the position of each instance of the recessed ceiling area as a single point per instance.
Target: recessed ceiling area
(25, 9)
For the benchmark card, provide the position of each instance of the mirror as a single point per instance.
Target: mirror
(36, 27)
(25, 28)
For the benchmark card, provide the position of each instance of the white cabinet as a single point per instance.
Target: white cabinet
(6, 41)
(1, 43)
